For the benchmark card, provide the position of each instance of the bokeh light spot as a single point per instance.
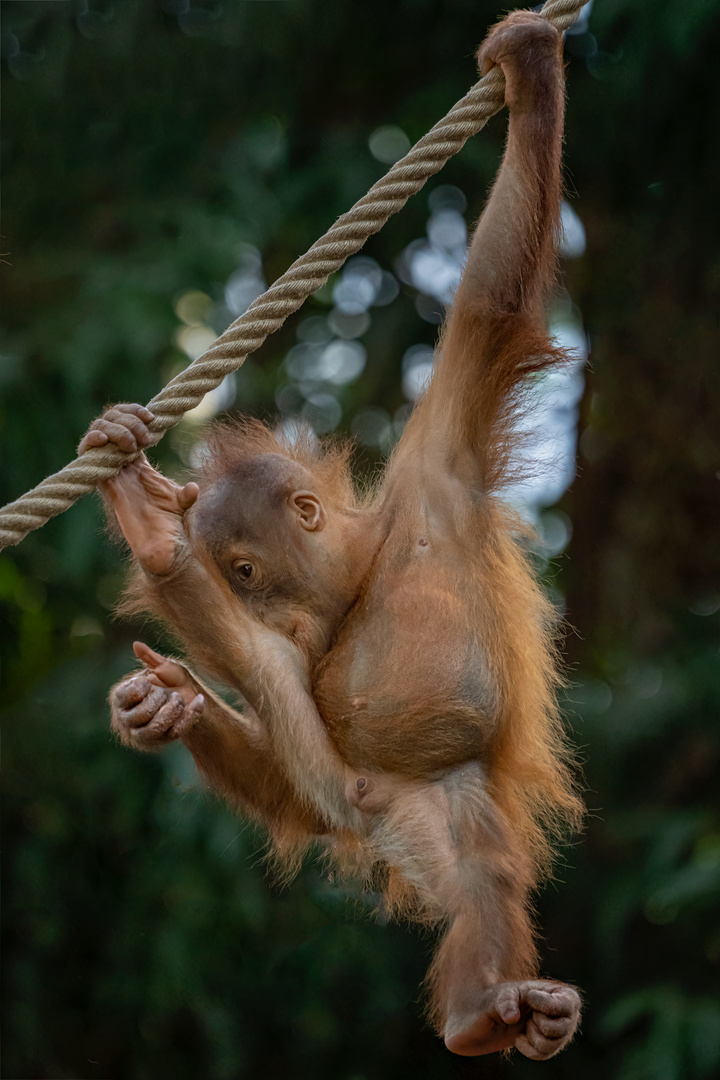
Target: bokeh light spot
(388, 144)
(417, 368)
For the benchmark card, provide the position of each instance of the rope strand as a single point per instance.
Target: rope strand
(265, 315)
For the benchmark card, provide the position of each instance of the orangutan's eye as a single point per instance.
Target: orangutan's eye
(243, 570)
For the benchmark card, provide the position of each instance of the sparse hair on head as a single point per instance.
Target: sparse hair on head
(235, 442)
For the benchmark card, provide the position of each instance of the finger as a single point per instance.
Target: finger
(146, 710)
(561, 1002)
(93, 438)
(545, 1046)
(552, 1027)
(188, 495)
(131, 422)
(170, 712)
(118, 434)
(532, 1045)
(132, 691)
(192, 714)
(197, 705)
(140, 411)
(160, 731)
(166, 718)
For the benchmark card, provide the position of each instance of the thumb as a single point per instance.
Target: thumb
(146, 655)
(508, 1005)
(161, 672)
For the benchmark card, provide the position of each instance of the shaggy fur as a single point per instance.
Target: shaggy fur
(400, 667)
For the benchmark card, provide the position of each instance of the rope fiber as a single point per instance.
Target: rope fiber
(265, 315)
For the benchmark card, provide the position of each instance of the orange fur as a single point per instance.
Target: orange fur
(403, 642)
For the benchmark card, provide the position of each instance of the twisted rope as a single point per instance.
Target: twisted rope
(267, 314)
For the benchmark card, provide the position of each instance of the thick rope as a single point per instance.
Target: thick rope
(267, 314)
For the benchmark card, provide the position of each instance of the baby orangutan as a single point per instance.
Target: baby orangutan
(395, 655)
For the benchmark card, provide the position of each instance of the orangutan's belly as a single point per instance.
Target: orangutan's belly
(407, 686)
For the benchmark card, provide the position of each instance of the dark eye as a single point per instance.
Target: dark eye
(243, 570)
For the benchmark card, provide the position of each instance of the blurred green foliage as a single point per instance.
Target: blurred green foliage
(142, 143)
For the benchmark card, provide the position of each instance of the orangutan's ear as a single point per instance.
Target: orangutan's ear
(310, 511)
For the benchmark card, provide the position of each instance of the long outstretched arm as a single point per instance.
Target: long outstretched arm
(495, 335)
(511, 262)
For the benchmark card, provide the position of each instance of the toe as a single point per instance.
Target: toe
(536, 1046)
(553, 1027)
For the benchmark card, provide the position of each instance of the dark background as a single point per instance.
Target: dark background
(143, 142)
